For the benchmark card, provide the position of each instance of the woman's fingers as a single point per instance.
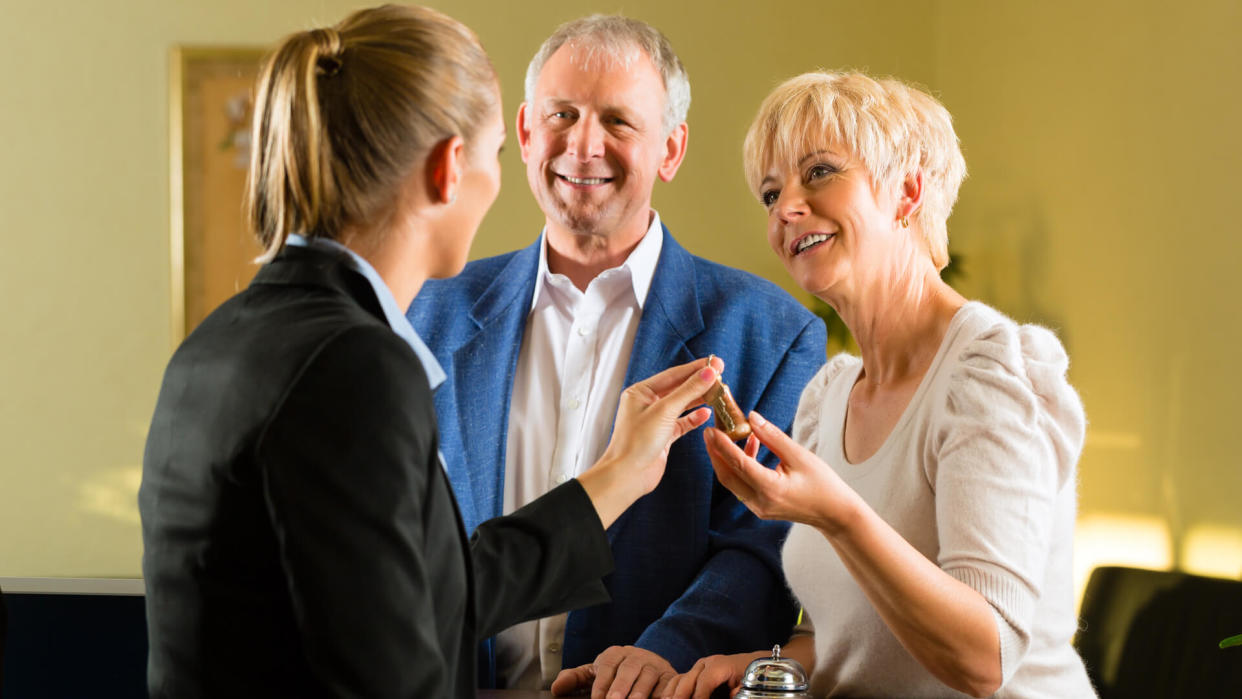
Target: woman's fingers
(718, 451)
(671, 378)
(659, 400)
(779, 443)
(725, 455)
(751, 473)
(691, 421)
(689, 392)
(802, 487)
(752, 445)
(649, 418)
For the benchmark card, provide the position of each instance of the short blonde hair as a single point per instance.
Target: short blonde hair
(343, 113)
(893, 128)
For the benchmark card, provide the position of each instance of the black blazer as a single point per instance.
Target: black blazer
(301, 538)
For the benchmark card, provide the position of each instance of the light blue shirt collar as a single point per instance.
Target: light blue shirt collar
(394, 315)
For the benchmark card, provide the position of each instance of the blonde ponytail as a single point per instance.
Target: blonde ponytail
(342, 114)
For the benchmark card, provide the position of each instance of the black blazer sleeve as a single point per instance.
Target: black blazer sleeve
(546, 558)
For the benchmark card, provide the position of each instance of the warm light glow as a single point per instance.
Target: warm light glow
(112, 494)
(1128, 540)
(1101, 439)
(1213, 550)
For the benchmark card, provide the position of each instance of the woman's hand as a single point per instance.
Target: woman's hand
(649, 420)
(708, 674)
(946, 625)
(802, 488)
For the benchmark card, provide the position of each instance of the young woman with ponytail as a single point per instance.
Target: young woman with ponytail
(301, 538)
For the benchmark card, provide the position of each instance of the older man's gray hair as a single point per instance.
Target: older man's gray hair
(612, 37)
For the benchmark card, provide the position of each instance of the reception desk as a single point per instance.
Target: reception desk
(75, 637)
(88, 637)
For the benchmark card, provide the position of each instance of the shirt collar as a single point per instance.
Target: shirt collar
(641, 262)
(395, 317)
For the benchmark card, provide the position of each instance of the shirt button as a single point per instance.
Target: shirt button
(554, 648)
(573, 404)
(583, 331)
(561, 478)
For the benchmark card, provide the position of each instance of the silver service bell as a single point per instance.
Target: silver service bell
(774, 678)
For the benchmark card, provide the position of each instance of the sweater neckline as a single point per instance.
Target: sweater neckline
(950, 337)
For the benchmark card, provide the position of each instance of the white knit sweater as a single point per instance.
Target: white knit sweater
(979, 474)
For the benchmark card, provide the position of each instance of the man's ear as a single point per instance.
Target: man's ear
(444, 170)
(523, 129)
(674, 151)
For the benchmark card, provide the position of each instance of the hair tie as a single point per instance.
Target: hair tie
(328, 66)
(328, 41)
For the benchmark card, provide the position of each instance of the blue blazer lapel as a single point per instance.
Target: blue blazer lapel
(482, 369)
(671, 316)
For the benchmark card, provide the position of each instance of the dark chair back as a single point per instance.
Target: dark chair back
(1149, 633)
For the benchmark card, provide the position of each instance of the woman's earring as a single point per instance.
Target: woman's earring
(905, 222)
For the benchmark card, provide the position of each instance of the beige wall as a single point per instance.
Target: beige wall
(1104, 149)
(1103, 154)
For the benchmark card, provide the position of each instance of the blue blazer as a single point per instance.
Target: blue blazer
(696, 573)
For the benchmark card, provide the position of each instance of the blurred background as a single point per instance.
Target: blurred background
(1105, 161)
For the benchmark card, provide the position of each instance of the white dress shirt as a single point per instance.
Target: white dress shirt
(570, 372)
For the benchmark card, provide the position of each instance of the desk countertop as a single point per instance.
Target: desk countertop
(513, 694)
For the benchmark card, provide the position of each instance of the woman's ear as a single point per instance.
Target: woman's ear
(445, 163)
(910, 197)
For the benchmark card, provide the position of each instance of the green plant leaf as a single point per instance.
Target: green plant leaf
(1232, 641)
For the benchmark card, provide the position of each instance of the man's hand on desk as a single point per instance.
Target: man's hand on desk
(621, 672)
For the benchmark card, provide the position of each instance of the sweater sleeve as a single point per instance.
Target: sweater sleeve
(1005, 445)
(805, 430)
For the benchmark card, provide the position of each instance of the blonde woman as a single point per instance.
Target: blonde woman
(301, 536)
(932, 479)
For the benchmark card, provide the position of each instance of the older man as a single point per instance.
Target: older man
(539, 343)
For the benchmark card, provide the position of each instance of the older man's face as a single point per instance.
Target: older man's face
(593, 141)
